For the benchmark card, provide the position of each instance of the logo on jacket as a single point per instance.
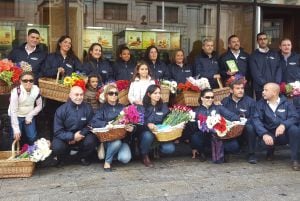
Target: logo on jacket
(292, 63)
(281, 110)
(159, 113)
(83, 119)
(104, 71)
(34, 58)
(69, 65)
(243, 58)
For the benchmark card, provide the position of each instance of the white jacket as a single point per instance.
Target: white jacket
(137, 89)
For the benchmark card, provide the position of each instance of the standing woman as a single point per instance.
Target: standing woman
(179, 69)
(140, 81)
(124, 66)
(157, 67)
(25, 104)
(108, 112)
(63, 60)
(96, 64)
(154, 113)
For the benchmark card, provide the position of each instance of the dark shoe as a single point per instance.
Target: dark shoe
(107, 169)
(202, 157)
(295, 166)
(85, 162)
(49, 162)
(226, 158)
(147, 162)
(270, 155)
(252, 159)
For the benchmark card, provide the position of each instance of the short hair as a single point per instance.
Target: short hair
(236, 82)
(206, 41)
(232, 36)
(284, 39)
(27, 73)
(260, 34)
(31, 31)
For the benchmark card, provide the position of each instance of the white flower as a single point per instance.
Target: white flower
(174, 84)
(192, 115)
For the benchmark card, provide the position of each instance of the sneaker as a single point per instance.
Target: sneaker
(252, 159)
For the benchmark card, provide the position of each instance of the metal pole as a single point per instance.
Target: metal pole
(162, 15)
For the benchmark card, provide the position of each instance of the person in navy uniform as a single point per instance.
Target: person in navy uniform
(244, 106)
(179, 69)
(96, 64)
(30, 52)
(124, 67)
(290, 65)
(71, 128)
(264, 65)
(158, 68)
(237, 57)
(206, 64)
(276, 122)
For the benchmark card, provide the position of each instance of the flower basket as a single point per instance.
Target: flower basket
(188, 98)
(106, 135)
(221, 93)
(123, 97)
(165, 94)
(4, 88)
(234, 132)
(10, 167)
(171, 134)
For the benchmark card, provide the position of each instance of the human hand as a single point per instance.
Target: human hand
(230, 73)
(17, 136)
(28, 122)
(268, 140)
(61, 70)
(78, 137)
(138, 102)
(217, 76)
(279, 130)
(151, 126)
(72, 142)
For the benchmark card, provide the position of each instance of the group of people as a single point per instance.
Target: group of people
(271, 118)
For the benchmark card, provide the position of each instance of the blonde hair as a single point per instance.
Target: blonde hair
(108, 88)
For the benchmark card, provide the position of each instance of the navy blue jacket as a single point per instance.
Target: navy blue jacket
(180, 74)
(220, 109)
(152, 114)
(290, 68)
(36, 59)
(105, 114)
(123, 70)
(241, 62)
(207, 67)
(99, 67)
(70, 118)
(264, 68)
(159, 70)
(56, 60)
(266, 121)
(244, 107)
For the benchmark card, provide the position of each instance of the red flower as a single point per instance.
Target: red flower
(202, 118)
(282, 87)
(16, 74)
(24, 148)
(80, 83)
(122, 84)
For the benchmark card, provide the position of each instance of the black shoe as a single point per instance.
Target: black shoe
(295, 166)
(49, 162)
(252, 159)
(107, 169)
(85, 162)
(202, 157)
(270, 155)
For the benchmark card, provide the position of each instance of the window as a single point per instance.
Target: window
(7, 8)
(207, 16)
(114, 11)
(171, 14)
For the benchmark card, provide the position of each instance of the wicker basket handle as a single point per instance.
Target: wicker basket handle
(57, 77)
(13, 150)
(220, 83)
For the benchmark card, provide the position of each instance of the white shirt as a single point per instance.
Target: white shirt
(236, 55)
(28, 50)
(274, 106)
(137, 89)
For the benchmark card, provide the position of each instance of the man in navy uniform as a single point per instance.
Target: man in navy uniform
(275, 121)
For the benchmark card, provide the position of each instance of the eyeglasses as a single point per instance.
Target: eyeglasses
(263, 39)
(209, 97)
(111, 93)
(26, 81)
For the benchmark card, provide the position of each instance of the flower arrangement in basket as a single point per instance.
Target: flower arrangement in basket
(9, 75)
(123, 86)
(116, 129)
(235, 78)
(173, 124)
(171, 85)
(291, 89)
(76, 79)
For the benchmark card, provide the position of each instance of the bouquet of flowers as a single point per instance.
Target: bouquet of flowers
(26, 67)
(9, 72)
(236, 77)
(290, 89)
(37, 152)
(129, 115)
(179, 114)
(76, 79)
(172, 85)
(201, 83)
(122, 84)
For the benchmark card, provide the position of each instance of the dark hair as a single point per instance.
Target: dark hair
(147, 53)
(260, 34)
(147, 100)
(31, 31)
(93, 76)
(120, 51)
(232, 36)
(173, 55)
(89, 56)
(137, 68)
(284, 39)
(70, 53)
(27, 73)
(203, 93)
(236, 82)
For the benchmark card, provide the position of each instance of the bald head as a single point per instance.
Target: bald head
(76, 95)
(271, 91)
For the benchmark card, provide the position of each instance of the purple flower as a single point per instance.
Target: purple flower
(31, 149)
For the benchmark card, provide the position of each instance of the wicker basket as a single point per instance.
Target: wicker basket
(105, 135)
(171, 134)
(189, 98)
(50, 88)
(165, 94)
(10, 167)
(123, 97)
(234, 132)
(220, 93)
(4, 88)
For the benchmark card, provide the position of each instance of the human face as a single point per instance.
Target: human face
(286, 47)
(238, 91)
(27, 82)
(268, 92)
(179, 57)
(143, 71)
(125, 55)
(76, 95)
(234, 44)
(153, 54)
(112, 96)
(33, 40)
(96, 52)
(94, 82)
(262, 41)
(208, 99)
(208, 47)
(65, 45)
(155, 96)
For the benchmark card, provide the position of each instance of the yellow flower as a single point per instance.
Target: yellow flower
(68, 81)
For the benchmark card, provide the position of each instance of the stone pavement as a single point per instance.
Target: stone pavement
(173, 178)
